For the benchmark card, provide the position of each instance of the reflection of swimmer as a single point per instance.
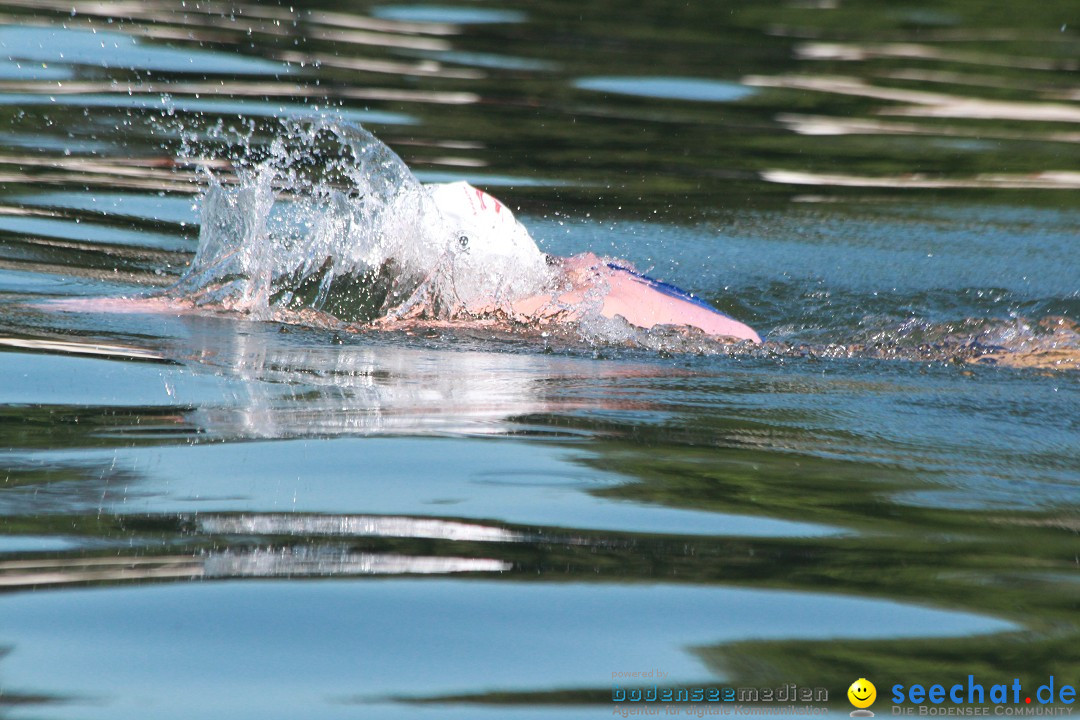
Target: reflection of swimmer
(491, 240)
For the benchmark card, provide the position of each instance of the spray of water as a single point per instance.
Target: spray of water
(328, 219)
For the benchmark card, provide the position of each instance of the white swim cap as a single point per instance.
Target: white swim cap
(488, 230)
(491, 246)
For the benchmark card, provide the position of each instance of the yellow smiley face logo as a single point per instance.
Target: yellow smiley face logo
(862, 693)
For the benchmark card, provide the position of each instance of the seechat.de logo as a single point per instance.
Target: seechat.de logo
(862, 695)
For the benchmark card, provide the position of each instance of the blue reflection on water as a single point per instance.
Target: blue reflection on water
(15, 70)
(280, 649)
(168, 209)
(92, 233)
(105, 49)
(384, 476)
(673, 88)
(37, 543)
(448, 14)
(221, 106)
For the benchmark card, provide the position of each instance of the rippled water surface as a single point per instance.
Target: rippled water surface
(208, 514)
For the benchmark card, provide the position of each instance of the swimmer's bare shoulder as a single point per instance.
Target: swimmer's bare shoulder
(589, 283)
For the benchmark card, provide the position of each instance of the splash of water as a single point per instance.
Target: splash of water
(332, 221)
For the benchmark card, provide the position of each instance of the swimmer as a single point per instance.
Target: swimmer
(489, 267)
(490, 236)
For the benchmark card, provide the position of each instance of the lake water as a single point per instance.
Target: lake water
(210, 515)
